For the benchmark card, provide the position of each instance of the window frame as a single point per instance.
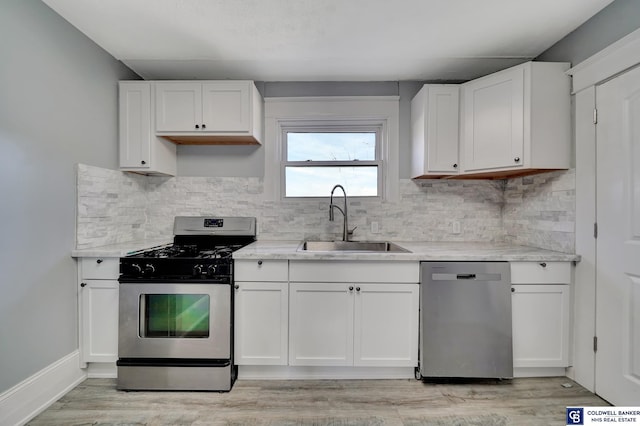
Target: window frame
(331, 126)
(290, 111)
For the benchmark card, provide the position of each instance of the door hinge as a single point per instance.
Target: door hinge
(595, 343)
(595, 230)
(595, 116)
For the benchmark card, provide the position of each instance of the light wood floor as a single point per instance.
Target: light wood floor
(326, 402)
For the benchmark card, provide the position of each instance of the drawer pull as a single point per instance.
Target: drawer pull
(99, 261)
(259, 262)
(83, 284)
(543, 264)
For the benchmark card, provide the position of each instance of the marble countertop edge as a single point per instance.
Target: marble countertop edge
(420, 251)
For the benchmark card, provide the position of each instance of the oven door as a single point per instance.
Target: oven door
(175, 320)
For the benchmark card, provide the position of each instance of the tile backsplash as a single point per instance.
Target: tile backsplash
(115, 207)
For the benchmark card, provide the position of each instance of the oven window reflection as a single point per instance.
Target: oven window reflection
(174, 315)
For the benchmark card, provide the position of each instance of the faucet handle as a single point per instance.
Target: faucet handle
(350, 231)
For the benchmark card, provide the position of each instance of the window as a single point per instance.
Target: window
(312, 144)
(317, 158)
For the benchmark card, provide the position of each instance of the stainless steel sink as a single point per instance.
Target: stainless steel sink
(351, 246)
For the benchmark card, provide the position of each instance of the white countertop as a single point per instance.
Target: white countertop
(120, 249)
(460, 251)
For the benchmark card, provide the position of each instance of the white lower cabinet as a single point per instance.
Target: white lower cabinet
(98, 310)
(261, 323)
(541, 306)
(386, 325)
(321, 330)
(353, 324)
(261, 312)
(540, 325)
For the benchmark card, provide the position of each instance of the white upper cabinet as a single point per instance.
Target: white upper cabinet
(141, 150)
(178, 106)
(516, 121)
(223, 112)
(434, 131)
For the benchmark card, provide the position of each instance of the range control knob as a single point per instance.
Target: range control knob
(136, 269)
(149, 269)
(197, 270)
(211, 270)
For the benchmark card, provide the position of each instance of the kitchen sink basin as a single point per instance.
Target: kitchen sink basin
(351, 246)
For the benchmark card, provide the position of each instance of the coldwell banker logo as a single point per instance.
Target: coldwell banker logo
(575, 416)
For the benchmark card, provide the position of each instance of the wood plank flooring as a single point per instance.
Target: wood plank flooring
(531, 401)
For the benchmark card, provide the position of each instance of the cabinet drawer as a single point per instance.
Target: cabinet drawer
(355, 272)
(99, 268)
(261, 270)
(541, 272)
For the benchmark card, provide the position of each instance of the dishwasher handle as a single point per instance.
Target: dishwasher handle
(466, 276)
(483, 276)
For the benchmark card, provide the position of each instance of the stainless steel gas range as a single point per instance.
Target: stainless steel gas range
(176, 308)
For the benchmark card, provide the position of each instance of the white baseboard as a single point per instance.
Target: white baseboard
(539, 372)
(30, 397)
(102, 370)
(274, 372)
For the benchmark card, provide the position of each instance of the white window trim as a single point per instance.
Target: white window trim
(281, 113)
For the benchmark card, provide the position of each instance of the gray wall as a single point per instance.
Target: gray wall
(58, 107)
(609, 25)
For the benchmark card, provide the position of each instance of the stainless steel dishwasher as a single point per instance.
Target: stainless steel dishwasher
(465, 310)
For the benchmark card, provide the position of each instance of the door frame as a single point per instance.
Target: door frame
(604, 65)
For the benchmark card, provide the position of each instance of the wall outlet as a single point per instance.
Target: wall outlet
(456, 227)
(375, 229)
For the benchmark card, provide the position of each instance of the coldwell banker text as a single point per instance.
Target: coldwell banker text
(599, 415)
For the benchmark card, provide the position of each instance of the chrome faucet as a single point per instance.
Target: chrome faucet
(345, 227)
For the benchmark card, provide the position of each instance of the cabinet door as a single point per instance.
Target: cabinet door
(434, 130)
(386, 325)
(99, 321)
(494, 121)
(135, 124)
(261, 323)
(226, 107)
(321, 318)
(178, 107)
(540, 325)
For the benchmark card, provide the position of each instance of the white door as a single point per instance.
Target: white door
(178, 106)
(135, 119)
(226, 107)
(494, 121)
(540, 321)
(321, 330)
(386, 325)
(99, 320)
(618, 243)
(261, 323)
(442, 128)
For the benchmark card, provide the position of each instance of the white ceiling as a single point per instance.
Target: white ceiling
(324, 40)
